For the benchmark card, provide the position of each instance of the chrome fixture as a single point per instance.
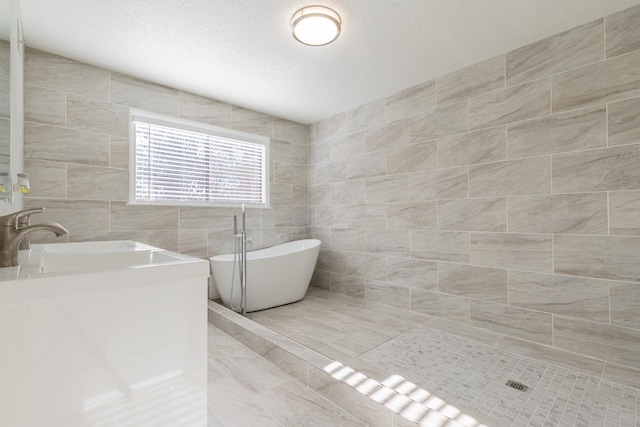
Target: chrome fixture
(315, 25)
(14, 228)
(240, 254)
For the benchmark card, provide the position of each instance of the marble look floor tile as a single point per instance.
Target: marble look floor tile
(234, 408)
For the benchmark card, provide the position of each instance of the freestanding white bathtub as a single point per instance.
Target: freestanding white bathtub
(275, 276)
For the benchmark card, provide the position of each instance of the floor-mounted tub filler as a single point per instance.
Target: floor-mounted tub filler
(274, 276)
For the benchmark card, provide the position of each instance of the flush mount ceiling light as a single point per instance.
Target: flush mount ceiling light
(315, 25)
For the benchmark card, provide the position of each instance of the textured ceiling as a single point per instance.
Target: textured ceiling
(242, 52)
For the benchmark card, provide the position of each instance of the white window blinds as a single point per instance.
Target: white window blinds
(176, 164)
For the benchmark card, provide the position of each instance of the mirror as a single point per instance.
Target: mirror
(4, 85)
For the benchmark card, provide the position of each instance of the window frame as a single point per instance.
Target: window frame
(192, 126)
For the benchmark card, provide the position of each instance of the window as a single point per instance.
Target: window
(186, 163)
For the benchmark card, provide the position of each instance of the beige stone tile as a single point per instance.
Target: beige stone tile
(514, 177)
(142, 94)
(569, 296)
(332, 171)
(414, 273)
(608, 81)
(558, 133)
(43, 142)
(125, 217)
(487, 145)
(279, 194)
(165, 239)
(440, 184)
(552, 355)
(367, 166)
(369, 266)
(388, 136)
(299, 154)
(233, 405)
(47, 179)
(369, 216)
(514, 321)
(412, 158)
(473, 214)
(412, 215)
(251, 121)
(488, 284)
(92, 236)
(389, 242)
(332, 216)
(4, 60)
(204, 110)
(394, 188)
(97, 183)
(75, 215)
(625, 304)
(347, 192)
(349, 240)
(192, 217)
(449, 120)
(279, 151)
(289, 173)
(606, 257)
(347, 285)
(599, 340)
(526, 101)
(584, 213)
(624, 212)
(193, 242)
(478, 79)
(331, 127)
(219, 242)
(119, 152)
(579, 46)
(321, 279)
(56, 72)
(97, 116)
(44, 105)
(604, 169)
(290, 216)
(624, 122)
(441, 305)
(320, 194)
(532, 252)
(440, 245)
(388, 294)
(349, 146)
(290, 131)
(411, 101)
(365, 116)
(622, 33)
(465, 331)
(621, 374)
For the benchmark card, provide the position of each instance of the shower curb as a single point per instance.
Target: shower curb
(366, 399)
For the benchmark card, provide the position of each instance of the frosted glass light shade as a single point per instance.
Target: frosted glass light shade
(315, 25)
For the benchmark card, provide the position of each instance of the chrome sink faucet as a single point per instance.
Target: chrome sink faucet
(14, 228)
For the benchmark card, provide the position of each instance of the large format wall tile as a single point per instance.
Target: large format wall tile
(251, 121)
(624, 122)
(391, 135)
(97, 183)
(97, 116)
(475, 80)
(43, 142)
(437, 304)
(488, 145)
(521, 102)
(440, 245)
(621, 374)
(570, 296)
(352, 145)
(333, 171)
(564, 213)
(606, 257)
(579, 46)
(622, 32)
(346, 239)
(624, 212)
(414, 273)
(366, 166)
(5, 61)
(47, 179)
(531, 252)
(511, 178)
(473, 214)
(118, 152)
(440, 184)
(606, 342)
(393, 188)
(44, 105)
(488, 284)
(597, 170)
(412, 215)
(142, 94)
(388, 294)
(558, 133)
(444, 121)
(204, 110)
(411, 101)
(56, 72)
(612, 80)
(389, 242)
(366, 116)
(77, 216)
(347, 192)
(514, 321)
(625, 304)
(125, 217)
(412, 158)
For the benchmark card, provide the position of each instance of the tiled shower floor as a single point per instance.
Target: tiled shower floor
(400, 350)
